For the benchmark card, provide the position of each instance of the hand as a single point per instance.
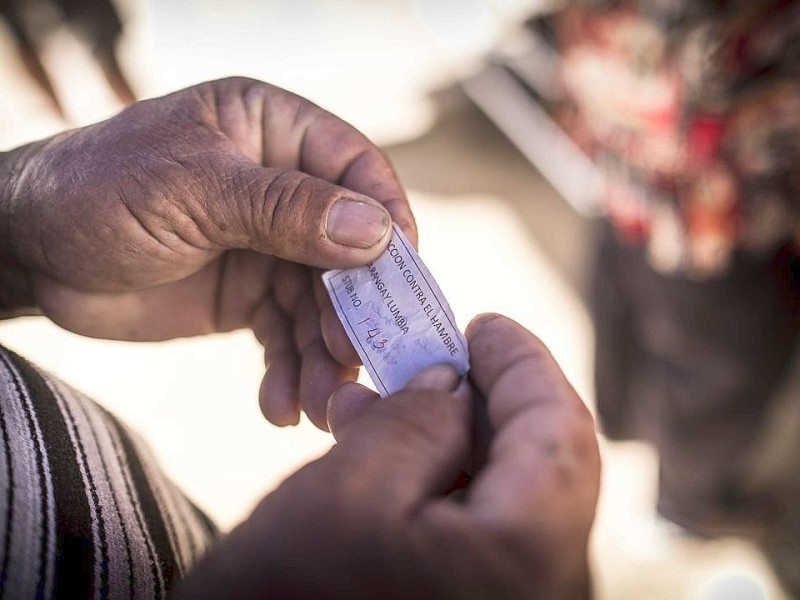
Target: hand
(370, 519)
(196, 213)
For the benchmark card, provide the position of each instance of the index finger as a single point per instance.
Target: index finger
(542, 475)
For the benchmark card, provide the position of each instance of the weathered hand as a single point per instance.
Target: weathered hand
(371, 518)
(199, 212)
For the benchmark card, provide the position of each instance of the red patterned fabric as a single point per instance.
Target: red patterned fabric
(693, 111)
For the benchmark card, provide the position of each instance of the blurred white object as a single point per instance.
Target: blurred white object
(460, 26)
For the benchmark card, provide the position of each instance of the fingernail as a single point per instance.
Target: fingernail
(357, 224)
(443, 378)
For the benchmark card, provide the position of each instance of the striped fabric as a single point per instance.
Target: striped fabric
(85, 511)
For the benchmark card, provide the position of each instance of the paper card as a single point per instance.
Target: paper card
(396, 316)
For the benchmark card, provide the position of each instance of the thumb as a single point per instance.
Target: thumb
(298, 217)
(410, 446)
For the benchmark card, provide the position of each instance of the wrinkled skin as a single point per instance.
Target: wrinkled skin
(212, 209)
(202, 211)
(370, 519)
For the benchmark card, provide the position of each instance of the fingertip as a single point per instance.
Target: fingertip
(345, 405)
(403, 218)
(496, 344)
(442, 377)
(355, 221)
(316, 410)
(333, 333)
(320, 376)
(278, 401)
(483, 320)
(411, 445)
(354, 231)
(278, 414)
(492, 331)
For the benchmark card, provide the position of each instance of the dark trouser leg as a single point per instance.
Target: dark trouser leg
(691, 367)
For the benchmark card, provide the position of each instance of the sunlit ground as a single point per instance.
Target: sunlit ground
(195, 400)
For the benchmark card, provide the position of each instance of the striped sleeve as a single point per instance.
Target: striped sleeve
(85, 511)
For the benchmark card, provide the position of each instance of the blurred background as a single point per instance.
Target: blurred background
(507, 205)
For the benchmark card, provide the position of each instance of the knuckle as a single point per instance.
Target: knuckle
(275, 210)
(286, 193)
(293, 213)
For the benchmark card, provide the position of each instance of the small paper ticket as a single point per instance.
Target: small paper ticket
(396, 316)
